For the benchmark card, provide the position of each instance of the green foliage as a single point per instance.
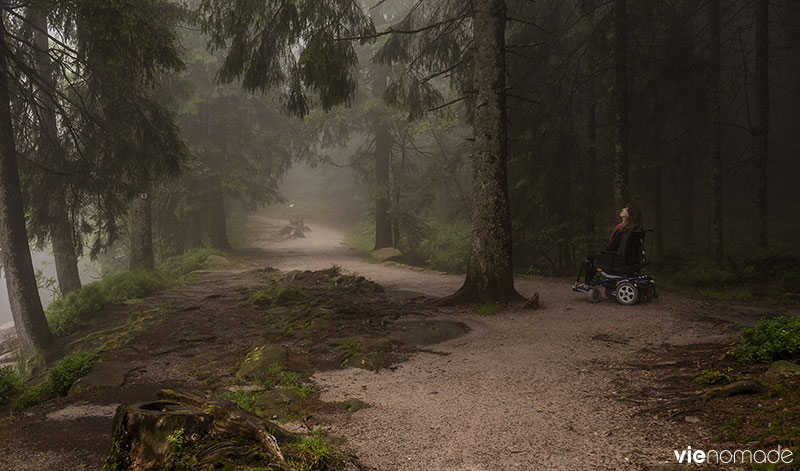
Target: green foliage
(178, 439)
(68, 314)
(447, 247)
(11, 383)
(288, 380)
(438, 245)
(276, 294)
(770, 340)
(130, 285)
(58, 381)
(187, 262)
(709, 376)
(245, 399)
(68, 370)
(313, 452)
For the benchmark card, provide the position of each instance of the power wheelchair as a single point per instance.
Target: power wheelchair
(619, 273)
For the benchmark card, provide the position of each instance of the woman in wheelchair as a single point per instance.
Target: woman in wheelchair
(616, 268)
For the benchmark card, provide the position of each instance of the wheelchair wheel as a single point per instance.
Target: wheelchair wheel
(594, 295)
(627, 293)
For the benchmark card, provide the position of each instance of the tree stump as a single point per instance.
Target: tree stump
(184, 431)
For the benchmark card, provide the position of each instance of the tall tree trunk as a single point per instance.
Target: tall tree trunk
(715, 136)
(621, 191)
(761, 123)
(217, 223)
(658, 209)
(490, 275)
(383, 152)
(591, 132)
(26, 308)
(64, 253)
(141, 232)
(61, 233)
(686, 189)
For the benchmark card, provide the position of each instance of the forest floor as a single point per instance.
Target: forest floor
(572, 385)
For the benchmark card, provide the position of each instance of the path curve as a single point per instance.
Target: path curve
(547, 389)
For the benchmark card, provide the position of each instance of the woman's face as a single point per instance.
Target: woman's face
(623, 213)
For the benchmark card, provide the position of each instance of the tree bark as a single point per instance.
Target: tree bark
(145, 435)
(26, 308)
(217, 222)
(761, 123)
(591, 131)
(141, 232)
(715, 136)
(61, 232)
(621, 190)
(383, 152)
(658, 209)
(490, 275)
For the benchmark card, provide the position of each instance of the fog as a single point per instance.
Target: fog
(43, 261)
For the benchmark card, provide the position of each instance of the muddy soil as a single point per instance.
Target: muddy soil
(572, 386)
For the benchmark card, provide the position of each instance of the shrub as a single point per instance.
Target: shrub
(131, 285)
(68, 370)
(66, 315)
(770, 340)
(187, 262)
(58, 381)
(10, 383)
(448, 247)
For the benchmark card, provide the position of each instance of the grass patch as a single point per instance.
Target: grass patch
(245, 399)
(313, 452)
(68, 314)
(277, 378)
(770, 340)
(180, 265)
(58, 381)
(710, 377)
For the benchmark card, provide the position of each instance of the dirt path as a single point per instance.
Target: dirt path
(563, 387)
(549, 389)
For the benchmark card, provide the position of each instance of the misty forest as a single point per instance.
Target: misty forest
(399, 234)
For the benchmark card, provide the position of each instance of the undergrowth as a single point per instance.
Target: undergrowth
(313, 452)
(770, 340)
(437, 245)
(58, 381)
(68, 314)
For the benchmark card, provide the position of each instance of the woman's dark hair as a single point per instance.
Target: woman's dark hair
(634, 220)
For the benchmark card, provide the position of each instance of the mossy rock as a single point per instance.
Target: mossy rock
(258, 361)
